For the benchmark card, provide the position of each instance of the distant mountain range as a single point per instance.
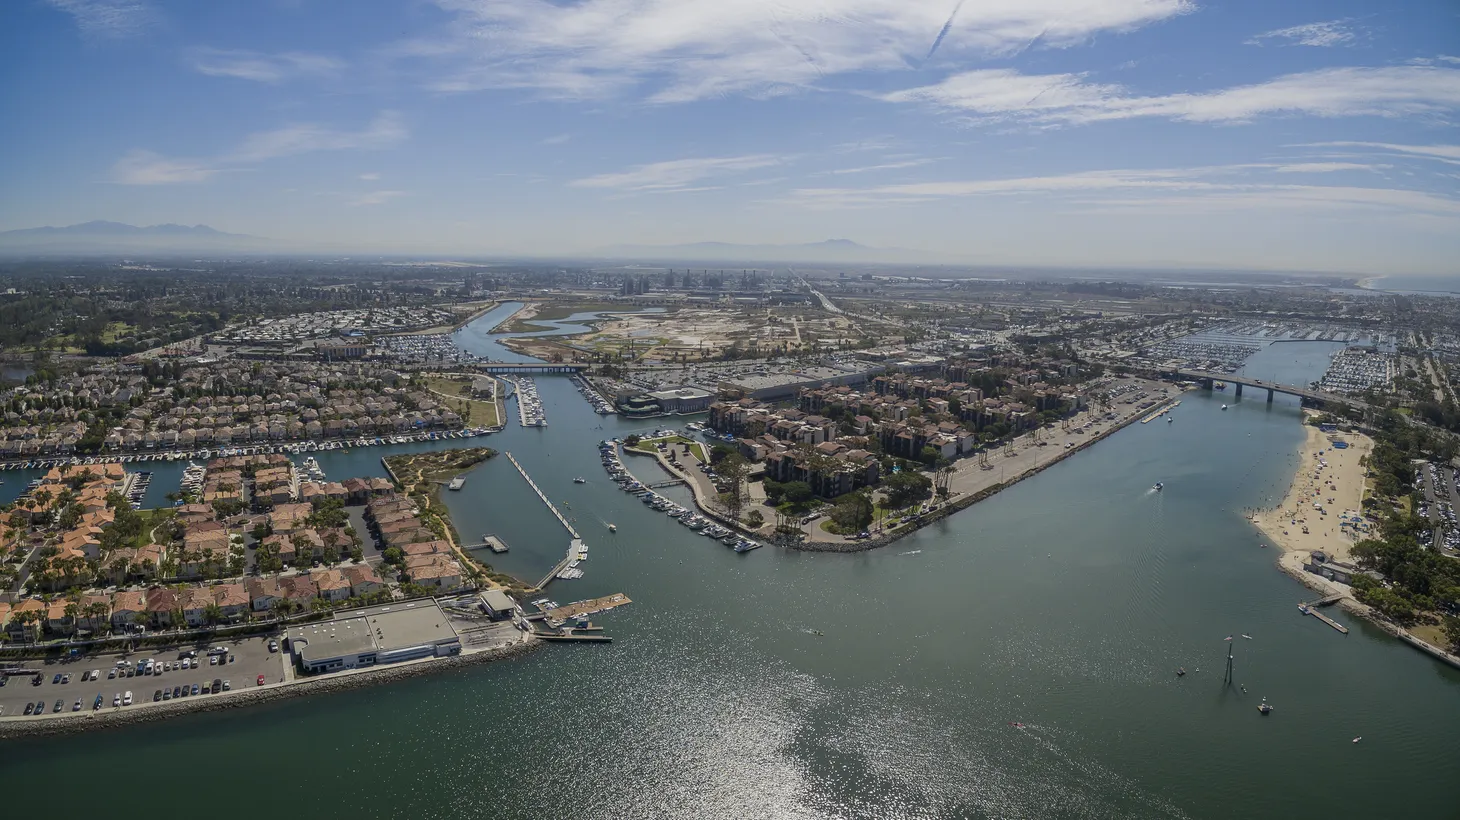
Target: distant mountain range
(117, 237)
(831, 250)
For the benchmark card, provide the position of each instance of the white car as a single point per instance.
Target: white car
(127, 699)
(187, 663)
(212, 660)
(117, 699)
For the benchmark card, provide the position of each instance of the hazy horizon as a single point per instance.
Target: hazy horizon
(1073, 133)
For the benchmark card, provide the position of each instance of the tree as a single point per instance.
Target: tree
(853, 512)
(1451, 626)
(797, 492)
(212, 614)
(929, 455)
(903, 488)
(732, 469)
(755, 519)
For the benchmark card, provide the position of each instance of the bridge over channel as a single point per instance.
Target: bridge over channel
(529, 368)
(1319, 396)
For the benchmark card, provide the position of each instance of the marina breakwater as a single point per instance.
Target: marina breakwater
(72, 723)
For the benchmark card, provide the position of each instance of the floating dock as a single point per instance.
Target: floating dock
(1308, 610)
(590, 607)
(492, 543)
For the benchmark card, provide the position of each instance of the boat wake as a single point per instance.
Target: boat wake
(911, 552)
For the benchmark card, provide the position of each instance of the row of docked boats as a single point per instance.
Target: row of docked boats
(608, 452)
(601, 406)
(529, 405)
(291, 448)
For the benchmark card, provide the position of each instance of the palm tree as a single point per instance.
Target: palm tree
(212, 614)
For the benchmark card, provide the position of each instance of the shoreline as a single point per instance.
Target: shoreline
(1295, 547)
(145, 712)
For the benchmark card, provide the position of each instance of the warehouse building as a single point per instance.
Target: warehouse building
(385, 634)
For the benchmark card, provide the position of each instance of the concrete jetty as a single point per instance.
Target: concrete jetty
(574, 546)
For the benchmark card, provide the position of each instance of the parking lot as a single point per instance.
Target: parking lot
(250, 658)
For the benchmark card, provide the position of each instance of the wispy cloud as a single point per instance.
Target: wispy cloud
(677, 176)
(557, 139)
(377, 198)
(110, 19)
(1330, 33)
(1063, 99)
(148, 168)
(689, 50)
(370, 176)
(1442, 153)
(886, 166)
(261, 67)
(1221, 183)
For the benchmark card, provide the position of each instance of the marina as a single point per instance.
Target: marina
(529, 405)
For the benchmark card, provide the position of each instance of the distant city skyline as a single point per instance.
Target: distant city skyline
(1089, 133)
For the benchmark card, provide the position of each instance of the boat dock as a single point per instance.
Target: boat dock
(1161, 411)
(1331, 599)
(574, 547)
(490, 542)
(1308, 610)
(543, 496)
(589, 607)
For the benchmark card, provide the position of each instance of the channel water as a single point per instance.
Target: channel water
(779, 684)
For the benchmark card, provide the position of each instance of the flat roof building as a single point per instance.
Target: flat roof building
(385, 634)
(498, 604)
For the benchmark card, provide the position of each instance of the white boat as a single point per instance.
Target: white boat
(1158, 486)
(1224, 407)
(580, 480)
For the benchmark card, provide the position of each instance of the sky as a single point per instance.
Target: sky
(1292, 135)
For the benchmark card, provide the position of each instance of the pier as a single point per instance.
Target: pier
(490, 542)
(1308, 610)
(574, 546)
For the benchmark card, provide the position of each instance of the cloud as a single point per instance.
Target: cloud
(557, 139)
(1209, 184)
(697, 49)
(260, 67)
(386, 130)
(372, 175)
(1063, 99)
(677, 176)
(148, 168)
(1441, 153)
(1331, 33)
(377, 198)
(886, 166)
(110, 19)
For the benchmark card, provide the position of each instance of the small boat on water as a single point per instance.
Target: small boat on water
(612, 528)
(1180, 671)
(580, 480)
(1169, 419)
(1224, 407)
(1264, 707)
(1158, 486)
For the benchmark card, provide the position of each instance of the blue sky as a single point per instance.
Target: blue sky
(1279, 135)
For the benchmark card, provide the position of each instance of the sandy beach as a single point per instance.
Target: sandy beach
(1327, 489)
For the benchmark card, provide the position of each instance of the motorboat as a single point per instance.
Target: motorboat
(1224, 407)
(1264, 707)
(1158, 486)
(612, 528)
(1180, 671)
(580, 480)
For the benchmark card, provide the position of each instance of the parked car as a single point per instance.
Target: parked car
(195, 689)
(96, 704)
(156, 696)
(40, 707)
(117, 699)
(227, 685)
(59, 705)
(66, 678)
(29, 707)
(111, 674)
(76, 707)
(177, 691)
(261, 680)
(127, 699)
(57, 678)
(273, 646)
(167, 694)
(217, 685)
